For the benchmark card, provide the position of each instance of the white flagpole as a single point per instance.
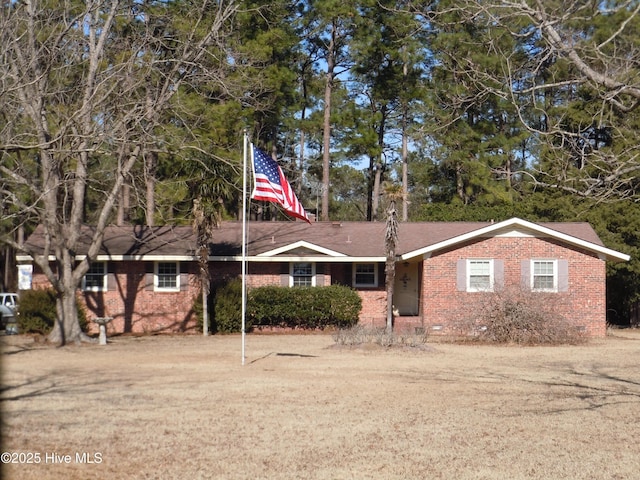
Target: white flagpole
(244, 240)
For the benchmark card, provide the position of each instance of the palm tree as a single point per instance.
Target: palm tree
(203, 225)
(393, 193)
(209, 184)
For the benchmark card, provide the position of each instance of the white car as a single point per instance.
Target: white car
(9, 313)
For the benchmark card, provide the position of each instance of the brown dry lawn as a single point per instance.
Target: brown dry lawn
(184, 407)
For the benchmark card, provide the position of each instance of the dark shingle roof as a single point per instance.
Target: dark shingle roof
(351, 239)
(130, 240)
(359, 239)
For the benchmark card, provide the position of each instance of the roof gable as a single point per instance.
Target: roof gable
(519, 227)
(323, 241)
(302, 247)
(267, 241)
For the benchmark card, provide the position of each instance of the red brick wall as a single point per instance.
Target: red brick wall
(373, 299)
(263, 274)
(374, 307)
(583, 304)
(134, 306)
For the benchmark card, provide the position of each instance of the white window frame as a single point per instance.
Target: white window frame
(292, 277)
(554, 263)
(157, 274)
(489, 262)
(90, 272)
(355, 274)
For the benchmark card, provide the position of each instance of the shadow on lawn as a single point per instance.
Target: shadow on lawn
(617, 391)
(300, 355)
(283, 354)
(598, 389)
(15, 349)
(52, 384)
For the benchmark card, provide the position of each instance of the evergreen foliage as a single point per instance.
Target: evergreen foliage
(38, 312)
(227, 308)
(501, 119)
(304, 307)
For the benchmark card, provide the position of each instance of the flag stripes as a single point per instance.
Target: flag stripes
(271, 185)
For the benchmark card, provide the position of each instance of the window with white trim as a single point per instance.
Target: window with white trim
(167, 277)
(479, 275)
(544, 275)
(95, 280)
(302, 274)
(365, 275)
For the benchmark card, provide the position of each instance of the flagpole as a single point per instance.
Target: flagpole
(244, 240)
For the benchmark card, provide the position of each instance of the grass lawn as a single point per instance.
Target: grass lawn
(184, 407)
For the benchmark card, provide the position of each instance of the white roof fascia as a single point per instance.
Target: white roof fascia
(121, 258)
(609, 253)
(489, 229)
(147, 258)
(298, 258)
(301, 244)
(215, 258)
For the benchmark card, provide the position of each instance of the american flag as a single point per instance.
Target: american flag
(272, 186)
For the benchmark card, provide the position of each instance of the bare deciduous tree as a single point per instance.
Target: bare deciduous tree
(85, 86)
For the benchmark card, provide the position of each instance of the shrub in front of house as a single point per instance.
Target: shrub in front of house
(272, 306)
(359, 335)
(38, 312)
(305, 307)
(518, 316)
(226, 311)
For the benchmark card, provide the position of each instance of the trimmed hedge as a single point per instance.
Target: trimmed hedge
(226, 314)
(304, 307)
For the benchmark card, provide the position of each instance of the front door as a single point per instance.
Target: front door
(406, 298)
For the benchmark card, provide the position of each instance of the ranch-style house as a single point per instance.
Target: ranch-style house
(146, 278)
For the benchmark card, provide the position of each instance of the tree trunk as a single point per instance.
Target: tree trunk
(123, 215)
(370, 181)
(377, 181)
(65, 153)
(67, 327)
(326, 151)
(375, 194)
(151, 162)
(405, 164)
(390, 278)
(390, 243)
(405, 142)
(303, 116)
(205, 306)
(301, 167)
(460, 184)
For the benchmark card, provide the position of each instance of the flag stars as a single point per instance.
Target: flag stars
(266, 165)
(270, 185)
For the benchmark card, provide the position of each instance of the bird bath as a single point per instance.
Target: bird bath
(102, 322)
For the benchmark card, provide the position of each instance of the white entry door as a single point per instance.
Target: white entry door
(406, 298)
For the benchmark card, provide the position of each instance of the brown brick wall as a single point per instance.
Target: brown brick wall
(583, 304)
(374, 307)
(259, 274)
(134, 306)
